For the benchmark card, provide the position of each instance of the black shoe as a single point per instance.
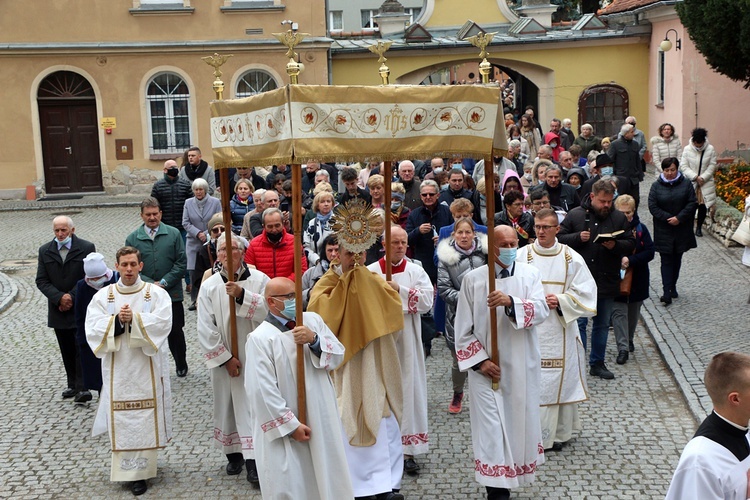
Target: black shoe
(252, 473)
(666, 300)
(631, 347)
(699, 232)
(83, 397)
(182, 372)
(556, 446)
(498, 493)
(622, 357)
(674, 294)
(192, 307)
(600, 370)
(234, 468)
(411, 466)
(69, 393)
(394, 496)
(138, 487)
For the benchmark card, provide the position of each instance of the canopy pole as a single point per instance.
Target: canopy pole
(290, 39)
(489, 186)
(387, 168)
(216, 61)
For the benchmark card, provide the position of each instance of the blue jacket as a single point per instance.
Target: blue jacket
(644, 253)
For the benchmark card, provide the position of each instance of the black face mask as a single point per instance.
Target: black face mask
(274, 237)
(173, 171)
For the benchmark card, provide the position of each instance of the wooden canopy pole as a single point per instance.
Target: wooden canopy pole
(489, 184)
(217, 61)
(290, 39)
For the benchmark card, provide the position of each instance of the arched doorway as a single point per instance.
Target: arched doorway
(605, 107)
(70, 134)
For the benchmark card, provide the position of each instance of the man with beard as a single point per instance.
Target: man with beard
(455, 189)
(581, 230)
(197, 167)
(560, 195)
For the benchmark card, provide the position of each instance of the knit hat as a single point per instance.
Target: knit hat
(214, 220)
(94, 265)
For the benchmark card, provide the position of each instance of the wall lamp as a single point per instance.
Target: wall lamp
(666, 44)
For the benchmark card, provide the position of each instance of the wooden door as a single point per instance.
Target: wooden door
(70, 147)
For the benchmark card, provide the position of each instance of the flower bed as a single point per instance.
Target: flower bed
(733, 184)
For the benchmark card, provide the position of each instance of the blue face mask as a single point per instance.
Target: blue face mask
(616, 195)
(290, 309)
(608, 170)
(507, 256)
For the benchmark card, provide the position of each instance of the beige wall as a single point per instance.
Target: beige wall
(119, 76)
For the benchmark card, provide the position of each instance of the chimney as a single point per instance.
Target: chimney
(391, 18)
(541, 10)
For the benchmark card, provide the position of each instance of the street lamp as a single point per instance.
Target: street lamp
(666, 44)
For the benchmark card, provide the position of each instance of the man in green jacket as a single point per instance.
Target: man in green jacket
(164, 263)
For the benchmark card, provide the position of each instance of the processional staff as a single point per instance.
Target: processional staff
(380, 49)
(481, 41)
(290, 39)
(217, 61)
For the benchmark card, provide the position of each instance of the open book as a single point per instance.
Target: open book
(602, 237)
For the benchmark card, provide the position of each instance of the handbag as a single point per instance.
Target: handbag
(626, 282)
(742, 234)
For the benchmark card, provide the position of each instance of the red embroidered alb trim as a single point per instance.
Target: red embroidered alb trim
(528, 313)
(233, 439)
(411, 303)
(277, 422)
(216, 353)
(499, 470)
(471, 350)
(414, 439)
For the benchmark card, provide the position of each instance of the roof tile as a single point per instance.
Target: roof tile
(625, 5)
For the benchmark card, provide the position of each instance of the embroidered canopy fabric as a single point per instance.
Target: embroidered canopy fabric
(300, 123)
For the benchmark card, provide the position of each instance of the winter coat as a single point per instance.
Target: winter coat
(662, 149)
(189, 173)
(313, 236)
(452, 267)
(193, 223)
(273, 260)
(171, 195)
(626, 157)
(593, 143)
(274, 172)
(668, 199)
(551, 138)
(691, 167)
(563, 196)
(163, 257)
(567, 136)
(55, 278)
(422, 244)
(448, 196)
(534, 139)
(604, 264)
(239, 209)
(309, 279)
(638, 262)
(480, 206)
(526, 222)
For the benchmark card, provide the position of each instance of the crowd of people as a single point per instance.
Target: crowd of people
(568, 246)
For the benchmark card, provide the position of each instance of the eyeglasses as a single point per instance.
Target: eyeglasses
(288, 296)
(428, 195)
(217, 230)
(541, 203)
(234, 249)
(543, 228)
(517, 204)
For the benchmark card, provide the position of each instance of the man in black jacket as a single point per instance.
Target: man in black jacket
(171, 193)
(625, 153)
(561, 195)
(59, 268)
(583, 230)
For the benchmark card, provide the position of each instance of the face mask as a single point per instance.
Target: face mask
(553, 145)
(172, 172)
(438, 170)
(274, 237)
(540, 181)
(616, 195)
(395, 207)
(290, 308)
(65, 241)
(507, 256)
(97, 283)
(527, 177)
(444, 187)
(608, 170)
(458, 166)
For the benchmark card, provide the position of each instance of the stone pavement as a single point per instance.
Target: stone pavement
(634, 426)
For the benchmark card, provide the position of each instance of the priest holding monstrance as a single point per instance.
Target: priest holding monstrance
(364, 312)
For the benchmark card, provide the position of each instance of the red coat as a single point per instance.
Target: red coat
(273, 260)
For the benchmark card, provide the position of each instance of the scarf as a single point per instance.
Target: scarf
(670, 182)
(201, 204)
(193, 172)
(466, 252)
(323, 219)
(521, 231)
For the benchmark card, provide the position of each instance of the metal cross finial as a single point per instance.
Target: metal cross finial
(217, 61)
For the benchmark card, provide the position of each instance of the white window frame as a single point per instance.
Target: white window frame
(331, 17)
(661, 61)
(413, 12)
(169, 117)
(373, 23)
(240, 95)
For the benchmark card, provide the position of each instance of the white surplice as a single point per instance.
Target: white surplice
(709, 471)
(505, 430)
(135, 404)
(417, 295)
(564, 274)
(288, 469)
(232, 411)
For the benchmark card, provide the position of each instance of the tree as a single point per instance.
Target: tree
(720, 30)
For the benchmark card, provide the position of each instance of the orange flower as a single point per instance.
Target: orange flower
(270, 123)
(474, 117)
(446, 117)
(418, 119)
(340, 120)
(308, 118)
(372, 119)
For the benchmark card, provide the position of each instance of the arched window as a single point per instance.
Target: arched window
(605, 107)
(169, 113)
(254, 82)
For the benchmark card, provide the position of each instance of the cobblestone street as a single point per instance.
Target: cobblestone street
(634, 426)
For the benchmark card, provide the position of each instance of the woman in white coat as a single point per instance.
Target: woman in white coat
(665, 145)
(195, 216)
(698, 164)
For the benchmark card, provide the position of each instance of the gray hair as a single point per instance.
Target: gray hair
(222, 242)
(322, 173)
(429, 183)
(626, 128)
(588, 126)
(556, 167)
(405, 163)
(515, 143)
(268, 191)
(545, 147)
(200, 183)
(271, 211)
(566, 122)
(67, 220)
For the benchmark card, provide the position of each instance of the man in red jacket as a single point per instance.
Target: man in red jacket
(272, 251)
